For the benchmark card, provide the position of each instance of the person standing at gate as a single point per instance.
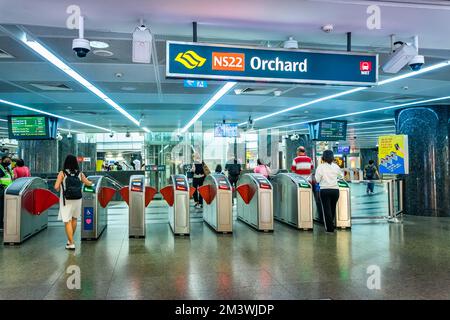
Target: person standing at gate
(327, 175)
(234, 170)
(69, 183)
(21, 170)
(198, 170)
(302, 164)
(6, 178)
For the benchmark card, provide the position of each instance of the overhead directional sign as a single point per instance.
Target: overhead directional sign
(206, 61)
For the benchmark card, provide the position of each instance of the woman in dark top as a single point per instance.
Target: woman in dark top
(197, 180)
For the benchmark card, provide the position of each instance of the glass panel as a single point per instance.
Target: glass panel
(368, 205)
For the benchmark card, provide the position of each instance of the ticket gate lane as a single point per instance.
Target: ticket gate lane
(95, 206)
(177, 195)
(255, 201)
(293, 200)
(26, 203)
(217, 194)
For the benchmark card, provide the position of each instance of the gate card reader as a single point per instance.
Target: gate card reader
(138, 197)
(26, 203)
(293, 200)
(94, 206)
(216, 191)
(255, 201)
(177, 195)
(343, 207)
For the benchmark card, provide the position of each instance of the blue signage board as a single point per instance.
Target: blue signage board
(205, 61)
(154, 167)
(195, 84)
(88, 218)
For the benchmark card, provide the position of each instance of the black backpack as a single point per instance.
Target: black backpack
(370, 172)
(234, 169)
(72, 188)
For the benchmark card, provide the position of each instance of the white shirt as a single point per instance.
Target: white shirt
(137, 164)
(327, 175)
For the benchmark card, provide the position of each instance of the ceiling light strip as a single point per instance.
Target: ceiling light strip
(209, 104)
(365, 111)
(380, 83)
(371, 121)
(46, 54)
(52, 115)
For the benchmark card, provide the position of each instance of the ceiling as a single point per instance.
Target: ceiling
(165, 104)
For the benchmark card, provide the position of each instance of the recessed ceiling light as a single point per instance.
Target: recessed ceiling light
(99, 44)
(103, 53)
(128, 88)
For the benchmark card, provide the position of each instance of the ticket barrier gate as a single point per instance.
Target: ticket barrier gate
(255, 201)
(216, 191)
(293, 200)
(177, 195)
(343, 207)
(95, 206)
(138, 196)
(26, 203)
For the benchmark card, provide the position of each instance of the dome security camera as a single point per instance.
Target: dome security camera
(69, 136)
(81, 47)
(416, 63)
(111, 134)
(128, 134)
(295, 137)
(59, 137)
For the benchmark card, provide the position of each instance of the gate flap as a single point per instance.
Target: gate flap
(208, 193)
(105, 196)
(168, 195)
(149, 194)
(37, 201)
(246, 192)
(191, 191)
(125, 194)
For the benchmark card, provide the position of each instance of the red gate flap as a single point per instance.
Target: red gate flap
(246, 192)
(208, 193)
(149, 194)
(167, 193)
(105, 195)
(191, 191)
(125, 194)
(37, 201)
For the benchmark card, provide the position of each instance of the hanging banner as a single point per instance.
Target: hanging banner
(205, 61)
(393, 155)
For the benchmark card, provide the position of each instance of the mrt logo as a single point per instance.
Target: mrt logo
(365, 67)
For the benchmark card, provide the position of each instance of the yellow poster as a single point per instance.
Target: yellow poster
(393, 157)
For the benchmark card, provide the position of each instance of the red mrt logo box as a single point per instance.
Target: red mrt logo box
(365, 67)
(228, 61)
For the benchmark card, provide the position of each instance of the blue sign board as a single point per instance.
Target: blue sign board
(195, 84)
(88, 218)
(205, 61)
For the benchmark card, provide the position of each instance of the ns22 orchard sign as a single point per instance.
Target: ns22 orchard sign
(205, 61)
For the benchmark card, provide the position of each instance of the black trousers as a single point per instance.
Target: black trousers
(329, 199)
(2, 209)
(198, 182)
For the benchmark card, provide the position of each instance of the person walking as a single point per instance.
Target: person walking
(302, 164)
(6, 178)
(370, 174)
(262, 169)
(327, 175)
(218, 169)
(234, 170)
(21, 170)
(69, 183)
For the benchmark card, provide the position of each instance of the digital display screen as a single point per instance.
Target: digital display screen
(90, 189)
(343, 149)
(328, 130)
(225, 130)
(32, 127)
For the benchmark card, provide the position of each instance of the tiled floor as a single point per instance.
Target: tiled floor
(413, 259)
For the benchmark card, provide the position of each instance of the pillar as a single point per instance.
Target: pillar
(427, 186)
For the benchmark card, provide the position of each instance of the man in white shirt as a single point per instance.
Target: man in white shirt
(137, 164)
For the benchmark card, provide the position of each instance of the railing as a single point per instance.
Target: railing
(386, 201)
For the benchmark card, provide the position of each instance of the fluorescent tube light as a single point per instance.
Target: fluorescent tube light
(52, 115)
(371, 121)
(46, 54)
(209, 104)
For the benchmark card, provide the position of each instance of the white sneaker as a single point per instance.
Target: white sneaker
(70, 246)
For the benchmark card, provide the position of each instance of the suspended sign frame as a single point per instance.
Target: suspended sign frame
(192, 60)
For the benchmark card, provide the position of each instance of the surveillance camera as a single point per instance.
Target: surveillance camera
(81, 47)
(295, 137)
(417, 62)
(59, 137)
(128, 134)
(111, 134)
(69, 136)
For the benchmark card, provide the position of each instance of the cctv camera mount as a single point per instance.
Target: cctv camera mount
(404, 54)
(81, 46)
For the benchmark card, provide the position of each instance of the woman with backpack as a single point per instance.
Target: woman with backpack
(69, 183)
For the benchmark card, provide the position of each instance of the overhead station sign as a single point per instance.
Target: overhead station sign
(205, 61)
